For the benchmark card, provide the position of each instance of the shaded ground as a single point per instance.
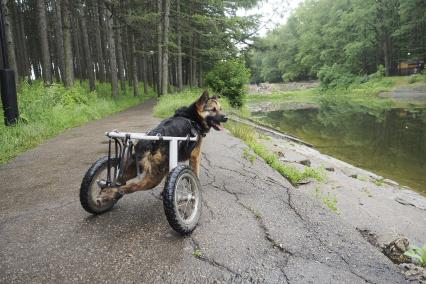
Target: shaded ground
(255, 226)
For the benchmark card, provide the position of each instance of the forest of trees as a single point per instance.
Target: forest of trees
(166, 44)
(354, 36)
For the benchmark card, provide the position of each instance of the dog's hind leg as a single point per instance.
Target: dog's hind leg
(148, 182)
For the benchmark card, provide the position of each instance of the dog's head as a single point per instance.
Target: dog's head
(209, 110)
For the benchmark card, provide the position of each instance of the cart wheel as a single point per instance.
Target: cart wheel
(93, 183)
(182, 199)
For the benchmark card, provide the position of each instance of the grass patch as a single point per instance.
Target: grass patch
(328, 199)
(250, 137)
(417, 254)
(168, 104)
(47, 111)
(197, 253)
(248, 155)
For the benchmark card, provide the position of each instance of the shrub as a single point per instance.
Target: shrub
(335, 76)
(414, 78)
(228, 78)
(380, 73)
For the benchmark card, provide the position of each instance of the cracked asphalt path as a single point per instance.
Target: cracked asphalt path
(255, 227)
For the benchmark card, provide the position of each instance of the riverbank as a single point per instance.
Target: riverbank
(366, 200)
(381, 210)
(378, 125)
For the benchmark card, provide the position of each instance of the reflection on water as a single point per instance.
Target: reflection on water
(389, 142)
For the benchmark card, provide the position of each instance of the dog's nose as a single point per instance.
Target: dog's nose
(225, 119)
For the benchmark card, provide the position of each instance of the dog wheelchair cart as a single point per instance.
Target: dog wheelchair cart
(182, 197)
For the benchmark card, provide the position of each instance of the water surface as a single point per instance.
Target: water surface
(390, 142)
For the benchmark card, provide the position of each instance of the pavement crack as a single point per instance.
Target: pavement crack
(211, 261)
(261, 224)
(209, 163)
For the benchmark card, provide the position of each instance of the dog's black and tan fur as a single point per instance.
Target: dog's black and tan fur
(153, 156)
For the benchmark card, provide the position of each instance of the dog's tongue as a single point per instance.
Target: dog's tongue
(218, 126)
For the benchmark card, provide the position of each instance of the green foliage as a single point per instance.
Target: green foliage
(417, 78)
(168, 104)
(250, 137)
(248, 155)
(47, 111)
(417, 254)
(228, 78)
(328, 199)
(379, 74)
(335, 76)
(353, 34)
(197, 253)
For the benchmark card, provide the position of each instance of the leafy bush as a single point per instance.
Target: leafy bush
(380, 73)
(228, 78)
(335, 76)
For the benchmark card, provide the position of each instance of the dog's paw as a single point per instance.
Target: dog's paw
(107, 195)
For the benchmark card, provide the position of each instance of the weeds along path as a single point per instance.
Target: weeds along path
(255, 226)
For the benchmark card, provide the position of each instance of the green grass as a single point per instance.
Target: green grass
(197, 253)
(168, 104)
(328, 199)
(248, 155)
(356, 93)
(417, 254)
(47, 111)
(250, 137)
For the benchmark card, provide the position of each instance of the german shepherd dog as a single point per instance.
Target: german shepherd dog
(153, 156)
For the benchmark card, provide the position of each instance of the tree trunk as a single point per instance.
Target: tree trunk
(90, 70)
(21, 49)
(179, 48)
(112, 54)
(98, 43)
(119, 53)
(10, 43)
(134, 63)
(159, 43)
(165, 56)
(68, 58)
(79, 63)
(44, 43)
(104, 38)
(387, 55)
(145, 74)
(59, 35)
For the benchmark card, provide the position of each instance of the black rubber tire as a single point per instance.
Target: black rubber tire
(171, 211)
(85, 190)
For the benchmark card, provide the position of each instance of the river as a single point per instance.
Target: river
(388, 141)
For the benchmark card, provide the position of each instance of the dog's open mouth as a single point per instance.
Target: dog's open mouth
(217, 126)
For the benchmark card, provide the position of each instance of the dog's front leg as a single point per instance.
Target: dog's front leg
(195, 158)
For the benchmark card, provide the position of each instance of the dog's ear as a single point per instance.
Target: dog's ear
(202, 100)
